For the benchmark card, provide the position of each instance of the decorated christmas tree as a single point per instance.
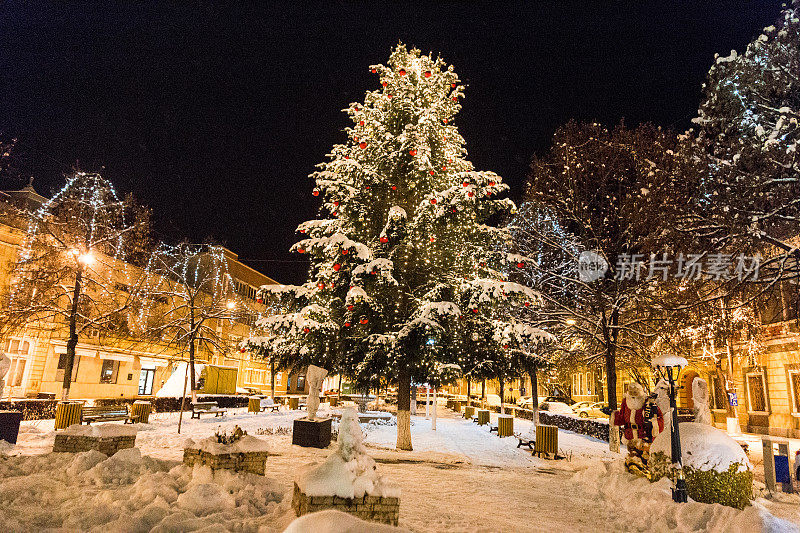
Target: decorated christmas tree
(404, 255)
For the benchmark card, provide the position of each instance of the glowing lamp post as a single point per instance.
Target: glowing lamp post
(669, 367)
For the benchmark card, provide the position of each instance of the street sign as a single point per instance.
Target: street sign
(733, 399)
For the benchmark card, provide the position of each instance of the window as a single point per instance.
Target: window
(109, 371)
(20, 371)
(720, 396)
(756, 392)
(62, 363)
(146, 381)
(301, 382)
(794, 389)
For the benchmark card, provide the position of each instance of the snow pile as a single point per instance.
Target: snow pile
(332, 521)
(102, 430)
(129, 492)
(247, 443)
(349, 472)
(704, 447)
(643, 506)
(663, 361)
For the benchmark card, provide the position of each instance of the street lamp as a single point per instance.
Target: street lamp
(669, 367)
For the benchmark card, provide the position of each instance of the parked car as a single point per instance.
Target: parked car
(594, 410)
(560, 408)
(526, 403)
(580, 405)
(560, 398)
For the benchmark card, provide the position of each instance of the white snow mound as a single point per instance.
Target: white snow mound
(332, 521)
(102, 430)
(704, 447)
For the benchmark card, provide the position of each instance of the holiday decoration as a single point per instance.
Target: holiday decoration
(641, 420)
(362, 145)
(337, 266)
(427, 73)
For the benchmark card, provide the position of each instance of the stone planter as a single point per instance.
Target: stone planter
(252, 462)
(85, 438)
(374, 508)
(9, 425)
(312, 433)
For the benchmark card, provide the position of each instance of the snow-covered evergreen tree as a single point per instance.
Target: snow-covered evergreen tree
(402, 243)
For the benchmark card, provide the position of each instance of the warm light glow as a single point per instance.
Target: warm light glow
(570, 321)
(231, 304)
(86, 258)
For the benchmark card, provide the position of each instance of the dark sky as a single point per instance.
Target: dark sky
(214, 114)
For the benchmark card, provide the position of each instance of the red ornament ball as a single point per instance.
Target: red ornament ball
(362, 145)
(350, 307)
(374, 71)
(335, 214)
(433, 201)
(360, 122)
(384, 240)
(306, 330)
(444, 120)
(455, 210)
(315, 192)
(475, 311)
(412, 152)
(384, 83)
(402, 72)
(347, 324)
(505, 346)
(320, 286)
(470, 194)
(453, 85)
(388, 96)
(432, 173)
(527, 304)
(345, 251)
(465, 184)
(491, 184)
(394, 187)
(520, 265)
(301, 250)
(455, 99)
(433, 239)
(260, 301)
(444, 168)
(364, 320)
(336, 267)
(427, 74)
(241, 350)
(336, 203)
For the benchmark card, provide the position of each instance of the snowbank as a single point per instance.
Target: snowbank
(102, 430)
(337, 522)
(644, 506)
(704, 447)
(247, 443)
(349, 472)
(664, 361)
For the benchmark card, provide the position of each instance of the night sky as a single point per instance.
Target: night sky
(214, 115)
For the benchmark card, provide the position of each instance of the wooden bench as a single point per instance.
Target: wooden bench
(206, 407)
(525, 441)
(107, 413)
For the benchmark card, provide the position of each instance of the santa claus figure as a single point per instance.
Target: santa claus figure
(640, 420)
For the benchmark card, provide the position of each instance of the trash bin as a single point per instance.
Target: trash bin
(141, 408)
(254, 404)
(294, 402)
(9, 425)
(505, 425)
(67, 414)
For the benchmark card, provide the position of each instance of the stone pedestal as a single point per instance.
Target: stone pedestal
(67, 414)
(374, 508)
(84, 443)
(505, 425)
(142, 409)
(312, 433)
(483, 416)
(253, 462)
(9, 425)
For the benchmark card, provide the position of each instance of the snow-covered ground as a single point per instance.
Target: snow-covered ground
(458, 478)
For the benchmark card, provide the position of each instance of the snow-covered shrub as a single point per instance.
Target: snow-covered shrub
(594, 428)
(716, 468)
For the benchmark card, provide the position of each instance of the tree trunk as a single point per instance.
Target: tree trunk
(72, 342)
(609, 335)
(502, 389)
(404, 409)
(272, 377)
(534, 395)
(483, 393)
(193, 382)
(469, 384)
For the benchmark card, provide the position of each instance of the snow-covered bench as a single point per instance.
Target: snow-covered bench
(107, 413)
(525, 440)
(206, 407)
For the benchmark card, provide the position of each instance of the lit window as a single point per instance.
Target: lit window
(109, 371)
(794, 384)
(756, 392)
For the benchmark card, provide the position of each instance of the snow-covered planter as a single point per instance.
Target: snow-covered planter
(716, 468)
(105, 438)
(347, 481)
(247, 454)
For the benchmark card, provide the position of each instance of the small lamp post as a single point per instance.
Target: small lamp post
(669, 367)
